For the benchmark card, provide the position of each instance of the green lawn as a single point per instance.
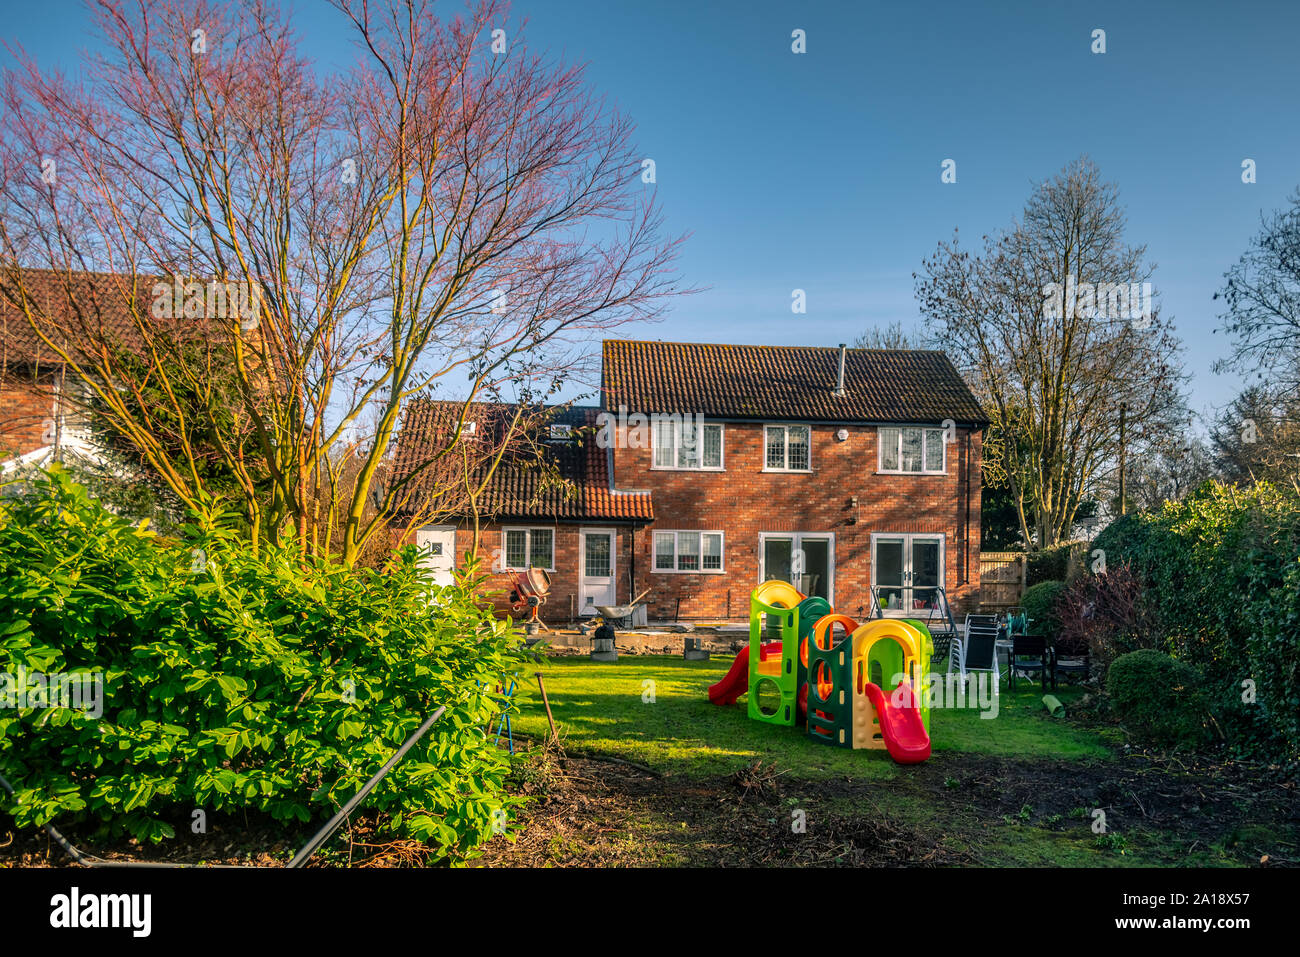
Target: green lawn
(1017, 789)
(602, 707)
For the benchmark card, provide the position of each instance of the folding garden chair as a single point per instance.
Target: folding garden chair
(979, 645)
(1067, 662)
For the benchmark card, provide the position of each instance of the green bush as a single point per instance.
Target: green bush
(1159, 699)
(1039, 603)
(1053, 563)
(1222, 568)
(233, 681)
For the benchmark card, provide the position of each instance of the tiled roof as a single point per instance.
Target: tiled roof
(786, 382)
(102, 299)
(575, 487)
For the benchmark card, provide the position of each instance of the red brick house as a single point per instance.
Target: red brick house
(39, 421)
(709, 468)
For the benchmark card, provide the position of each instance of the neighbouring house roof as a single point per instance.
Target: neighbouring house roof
(539, 479)
(80, 311)
(786, 382)
(102, 298)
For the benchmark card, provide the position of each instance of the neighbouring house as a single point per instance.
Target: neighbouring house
(42, 401)
(39, 419)
(549, 505)
(709, 468)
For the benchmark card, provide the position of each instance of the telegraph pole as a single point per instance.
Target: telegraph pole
(1123, 412)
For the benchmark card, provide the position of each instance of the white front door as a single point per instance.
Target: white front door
(596, 563)
(437, 545)
(907, 571)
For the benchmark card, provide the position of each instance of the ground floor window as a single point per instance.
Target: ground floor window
(688, 551)
(529, 548)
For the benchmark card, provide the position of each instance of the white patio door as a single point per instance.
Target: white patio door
(597, 583)
(907, 571)
(437, 546)
(805, 559)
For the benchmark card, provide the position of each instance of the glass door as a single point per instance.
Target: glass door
(907, 571)
(805, 559)
(890, 571)
(927, 572)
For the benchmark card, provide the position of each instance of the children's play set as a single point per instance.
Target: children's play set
(860, 688)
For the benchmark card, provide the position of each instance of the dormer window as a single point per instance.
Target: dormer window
(561, 433)
(469, 430)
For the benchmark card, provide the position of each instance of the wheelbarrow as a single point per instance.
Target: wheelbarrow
(620, 616)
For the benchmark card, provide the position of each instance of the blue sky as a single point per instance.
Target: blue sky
(821, 171)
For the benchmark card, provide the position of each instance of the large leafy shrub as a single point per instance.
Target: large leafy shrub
(1158, 698)
(1039, 603)
(1222, 570)
(1057, 562)
(239, 682)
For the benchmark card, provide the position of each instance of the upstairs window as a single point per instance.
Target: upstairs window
(687, 444)
(787, 448)
(529, 548)
(914, 450)
(688, 551)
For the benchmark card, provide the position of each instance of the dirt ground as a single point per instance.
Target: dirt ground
(590, 812)
(595, 813)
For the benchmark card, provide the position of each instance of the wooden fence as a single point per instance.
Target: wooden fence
(1002, 580)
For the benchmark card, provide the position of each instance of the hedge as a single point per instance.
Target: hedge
(1052, 563)
(1222, 570)
(1039, 603)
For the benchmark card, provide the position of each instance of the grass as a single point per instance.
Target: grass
(608, 708)
(1015, 789)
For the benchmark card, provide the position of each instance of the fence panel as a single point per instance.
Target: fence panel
(1002, 580)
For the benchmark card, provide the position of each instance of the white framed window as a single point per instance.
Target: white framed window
(913, 449)
(529, 548)
(687, 443)
(688, 552)
(787, 448)
(560, 432)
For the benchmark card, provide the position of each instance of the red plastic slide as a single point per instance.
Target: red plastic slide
(901, 728)
(736, 682)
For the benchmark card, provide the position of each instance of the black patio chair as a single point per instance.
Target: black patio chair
(1068, 663)
(1029, 653)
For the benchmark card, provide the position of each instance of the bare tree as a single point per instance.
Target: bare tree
(455, 214)
(1055, 329)
(892, 336)
(1257, 436)
(1262, 294)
